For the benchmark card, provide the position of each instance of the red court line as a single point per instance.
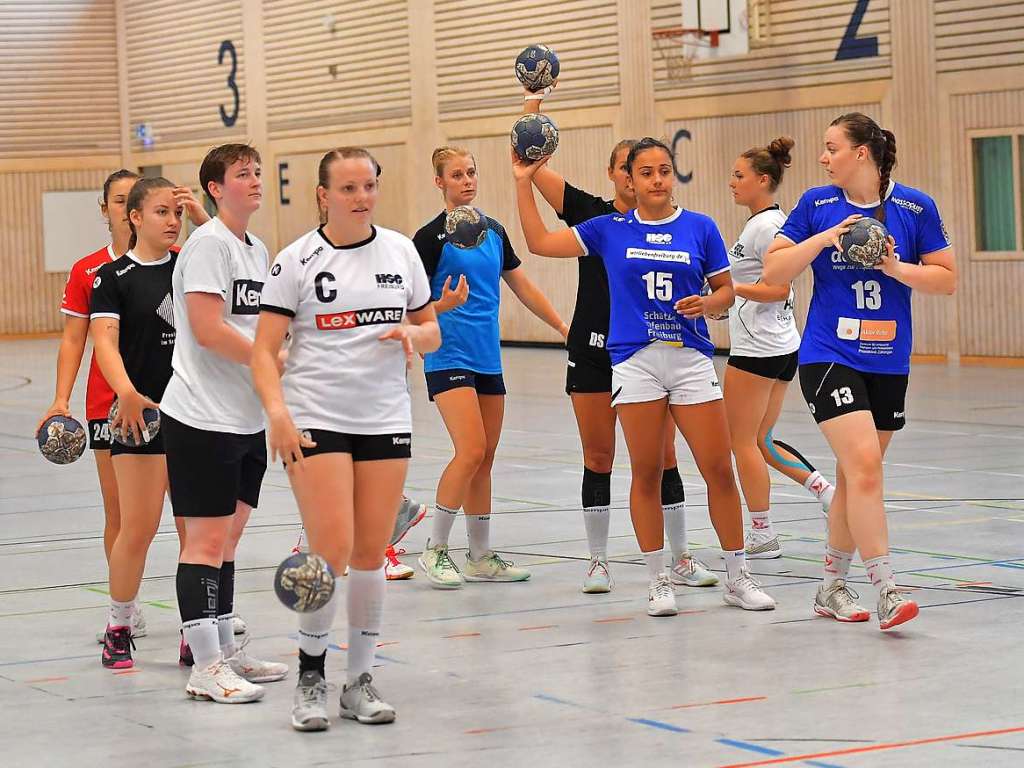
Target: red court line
(462, 635)
(388, 642)
(47, 680)
(126, 671)
(721, 701)
(613, 619)
(690, 613)
(477, 731)
(534, 629)
(875, 748)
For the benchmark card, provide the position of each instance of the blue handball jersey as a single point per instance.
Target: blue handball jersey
(652, 265)
(470, 336)
(860, 317)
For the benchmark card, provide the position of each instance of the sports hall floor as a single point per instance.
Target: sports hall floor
(539, 674)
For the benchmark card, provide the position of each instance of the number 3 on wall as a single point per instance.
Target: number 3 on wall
(228, 48)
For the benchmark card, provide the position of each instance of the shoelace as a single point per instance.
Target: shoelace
(663, 589)
(498, 562)
(747, 581)
(444, 560)
(120, 640)
(312, 694)
(845, 594)
(595, 564)
(392, 555)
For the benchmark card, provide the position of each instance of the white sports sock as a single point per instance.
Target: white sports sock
(655, 563)
(120, 614)
(201, 636)
(837, 565)
(761, 520)
(365, 605)
(315, 627)
(880, 571)
(226, 634)
(675, 529)
(818, 485)
(595, 520)
(478, 527)
(444, 519)
(735, 561)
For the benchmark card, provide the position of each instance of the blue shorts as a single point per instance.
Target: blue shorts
(453, 378)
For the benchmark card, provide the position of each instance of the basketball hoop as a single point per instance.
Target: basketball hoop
(677, 47)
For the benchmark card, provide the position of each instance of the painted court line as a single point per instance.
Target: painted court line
(743, 700)
(750, 747)
(875, 748)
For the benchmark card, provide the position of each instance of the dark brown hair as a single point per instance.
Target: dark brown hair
(137, 198)
(324, 171)
(771, 161)
(862, 131)
(219, 159)
(644, 144)
(624, 144)
(124, 173)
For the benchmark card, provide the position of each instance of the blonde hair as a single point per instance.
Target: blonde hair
(324, 171)
(440, 157)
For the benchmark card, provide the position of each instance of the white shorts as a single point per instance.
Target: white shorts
(683, 375)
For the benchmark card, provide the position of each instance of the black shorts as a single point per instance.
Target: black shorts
(779, 367)
(209, 471)
(154, 447)
(396, 445)
(99, 434)
(587, 375)
(832, 389)
(453, 378)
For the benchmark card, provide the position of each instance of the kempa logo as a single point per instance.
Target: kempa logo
(90, 270)
(245, 298)
(127, 269)
(385, 280)
(355, 318)
(659, 238)
(897, 414)
(396, 440)
(306, 259)
(826, 201)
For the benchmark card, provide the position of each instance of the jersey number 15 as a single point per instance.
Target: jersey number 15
(659, 285)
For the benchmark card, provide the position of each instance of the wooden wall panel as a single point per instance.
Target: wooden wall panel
(30, 296)
(801, 50)
(300, 214)
(973, 34)
(58, 78)
(478, 41)
(718, 141)
(582, 159)
(333, 65)
(990, 297)
(175, 84)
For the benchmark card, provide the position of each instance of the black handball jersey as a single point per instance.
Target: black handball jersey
(588, 332)
(138, 294)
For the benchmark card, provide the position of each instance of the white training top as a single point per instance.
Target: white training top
(208, 391)
(756, 328)
(339, 375)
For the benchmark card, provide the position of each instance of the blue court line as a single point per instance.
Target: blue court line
(556, 700)
(998, 563)
(768, 751)
(658, 724)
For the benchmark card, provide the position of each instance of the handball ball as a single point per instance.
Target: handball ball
(61, 440)
(534, 137)
(123, 433)
(864, 244)
(304, 582)
(465, 226)
(537, 67)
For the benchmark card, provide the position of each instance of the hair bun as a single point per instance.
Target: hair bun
(780, 148)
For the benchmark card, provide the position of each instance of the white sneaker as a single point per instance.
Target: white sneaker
(492, 567)
(440, 569)
(218, 682)
(361, 701)
(309, 707)
(746, 593)
(762, 545)
(395, 569)
(138, 626)
(255, 670)
(661, 600)
(690, 572)
(238, 625)
(894, 609)
(839, 602)
(598, 580)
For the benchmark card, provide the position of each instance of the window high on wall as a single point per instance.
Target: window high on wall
(997, 161)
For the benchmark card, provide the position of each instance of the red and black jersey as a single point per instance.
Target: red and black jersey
(75, 302)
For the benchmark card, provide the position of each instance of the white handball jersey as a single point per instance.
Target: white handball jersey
(759, 328)
(208, 391)
(339, 375)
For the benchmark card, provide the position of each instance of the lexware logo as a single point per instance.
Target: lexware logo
(354, 318)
